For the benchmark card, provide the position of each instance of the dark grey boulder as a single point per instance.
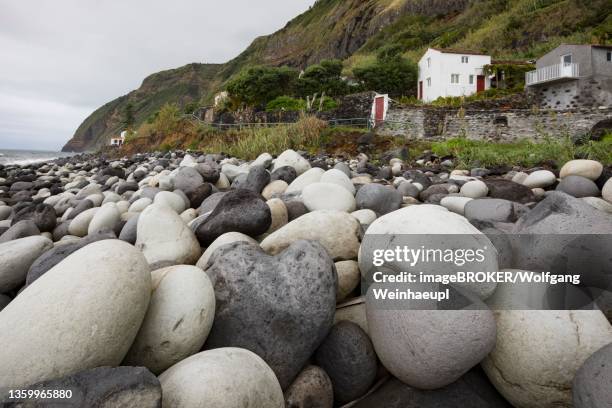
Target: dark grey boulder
(408, 190)
(210, 172)
(592, 387)
(124, 186)
(22, 185)
(238, 211)
(312, 388)
(58, 253)
(257, 179)
(347, 356)
(343, 167)
(433, 190)
(21, 229)
(418, 177)
(149, 192)
(82, 205)
(199, 194)
(378, 198)
(279, 307)
(98, 387)
(295, 209)
(384, 173)
(479, 172)
(473, 390)
(128, 232)
(285, 173)
(509, 190)
(4, 300)
(60, 230)
(240, 181)
(494, 210)
(578, 186)
(187, 179)
(563, 234)
(43, 216)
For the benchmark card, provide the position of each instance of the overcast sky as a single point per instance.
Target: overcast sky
(62, 59)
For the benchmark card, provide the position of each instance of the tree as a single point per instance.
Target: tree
(128, 116)
(391, 73)
(323, 77)
(258, 85)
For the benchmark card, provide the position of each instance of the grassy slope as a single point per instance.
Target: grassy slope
(356, 30)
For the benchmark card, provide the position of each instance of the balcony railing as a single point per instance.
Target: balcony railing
(552, 73)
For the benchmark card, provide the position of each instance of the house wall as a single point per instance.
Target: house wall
(491, 124)
(581, 54)
(601, 66)
(593, 89)
(442, 66)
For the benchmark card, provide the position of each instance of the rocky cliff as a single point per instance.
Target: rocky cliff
(354, 30)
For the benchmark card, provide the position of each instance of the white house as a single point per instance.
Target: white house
(119, 141)
(451, 73)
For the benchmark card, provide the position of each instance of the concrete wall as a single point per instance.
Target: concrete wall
(490, 124)
(581, 54)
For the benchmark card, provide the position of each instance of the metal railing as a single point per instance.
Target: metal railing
(351, 122)
(552, 72)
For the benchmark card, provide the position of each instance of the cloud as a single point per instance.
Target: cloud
(61, 59)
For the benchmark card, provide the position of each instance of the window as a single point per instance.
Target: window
(471, 79)
(428, 62)
(454, 78)
(428, 82)
(566, 59)
(609, 56)
(465, 59)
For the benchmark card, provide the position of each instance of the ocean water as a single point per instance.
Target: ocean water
(23, 157)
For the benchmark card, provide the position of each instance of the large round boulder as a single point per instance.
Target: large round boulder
(16, 257)
(292, 159)
(83, 313)
(178, 319)
(164, 238)
(328, 196)
(589, 169)
(592, 386)
(430, 349)
(338, 231)
(348, 357)
(378, 198)
(98, 387)
(238, 211)
(208, 377)
(280, 307)
(312, 388)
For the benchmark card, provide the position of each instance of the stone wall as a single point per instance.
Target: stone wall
(593, 92)
(490, 124)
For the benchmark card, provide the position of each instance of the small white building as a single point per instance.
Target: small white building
(445, 73)
(119, 141)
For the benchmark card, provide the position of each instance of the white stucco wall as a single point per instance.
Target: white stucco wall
(442, 66)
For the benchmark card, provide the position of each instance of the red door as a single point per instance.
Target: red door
(480, 83)
(420, 90)
(379, 109)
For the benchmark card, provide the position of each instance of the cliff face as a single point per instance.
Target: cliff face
(182, 85)
(352, 29)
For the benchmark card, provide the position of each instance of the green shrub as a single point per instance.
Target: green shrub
(168, 119)
(391, 73)
(256, 86)
(286, 103)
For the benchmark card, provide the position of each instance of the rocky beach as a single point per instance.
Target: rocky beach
(192, 279)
